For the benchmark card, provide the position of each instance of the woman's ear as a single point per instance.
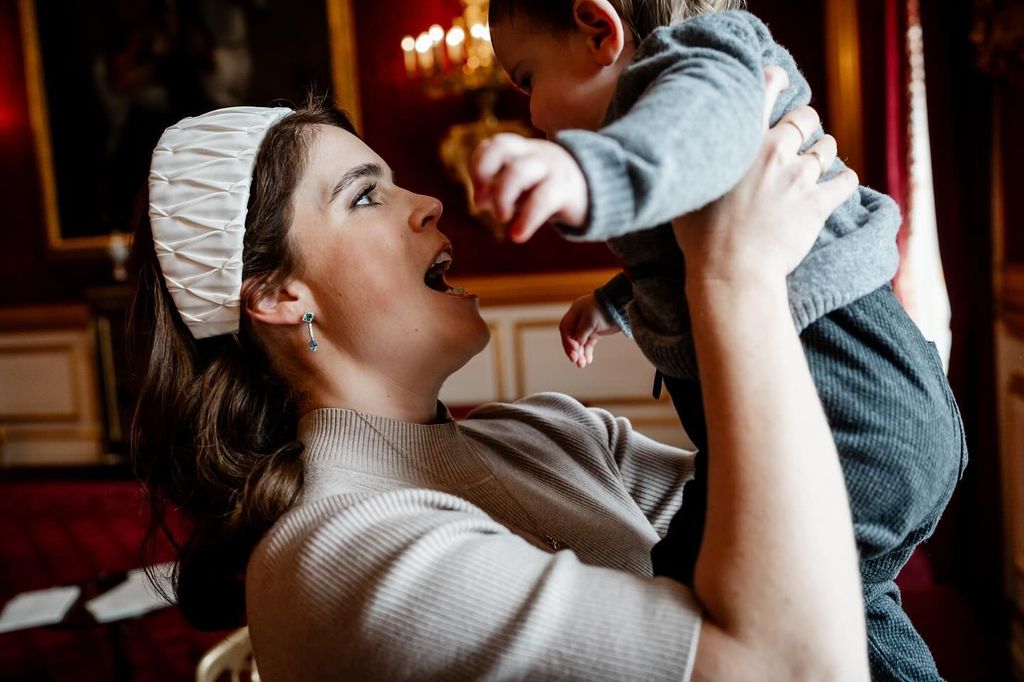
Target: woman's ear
(603, 28)
(284, 304)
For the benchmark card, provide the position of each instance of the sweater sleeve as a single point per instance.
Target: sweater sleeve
(614, 296)
(650, 473)
(653, 473)
(687, 125)
(418, 584)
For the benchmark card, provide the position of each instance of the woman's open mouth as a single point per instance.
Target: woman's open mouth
(436, 272)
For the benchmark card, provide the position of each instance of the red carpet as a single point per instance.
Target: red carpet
(65, 533)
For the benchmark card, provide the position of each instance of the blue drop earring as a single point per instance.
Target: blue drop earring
(308, 319)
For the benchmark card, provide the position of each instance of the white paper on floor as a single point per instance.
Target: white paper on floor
(41, 607)
(134, 597)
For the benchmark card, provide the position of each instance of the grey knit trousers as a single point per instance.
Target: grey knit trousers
(902, 449)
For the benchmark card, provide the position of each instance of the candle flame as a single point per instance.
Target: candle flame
(480, 32)
(408, 44)
(436, 33)
(455, 36)
(424, 43)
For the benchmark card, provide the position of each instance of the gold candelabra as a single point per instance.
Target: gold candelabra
(461, 60)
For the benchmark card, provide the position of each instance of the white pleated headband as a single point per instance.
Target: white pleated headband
(199, 183)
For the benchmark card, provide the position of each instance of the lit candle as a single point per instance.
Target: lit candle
(475, 47)
(456, 40)
(436, 34)
(483, 50)
(409, 50)
(480, 32)
(424, 54)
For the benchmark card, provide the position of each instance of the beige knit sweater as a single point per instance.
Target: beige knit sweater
(425, 552)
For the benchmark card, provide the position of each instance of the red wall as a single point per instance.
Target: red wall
(27, 275)
(401, 123)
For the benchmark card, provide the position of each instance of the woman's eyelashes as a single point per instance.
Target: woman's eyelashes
(526, 83)
(366, 197)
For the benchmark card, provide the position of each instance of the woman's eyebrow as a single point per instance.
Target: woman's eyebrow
(364, 170)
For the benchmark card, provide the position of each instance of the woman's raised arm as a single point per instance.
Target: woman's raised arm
(777, 573)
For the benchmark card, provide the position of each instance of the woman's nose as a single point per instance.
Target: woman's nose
(428, 211)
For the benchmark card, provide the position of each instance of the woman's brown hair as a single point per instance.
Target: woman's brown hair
(214, 433)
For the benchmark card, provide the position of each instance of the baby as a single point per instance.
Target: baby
(654, 110)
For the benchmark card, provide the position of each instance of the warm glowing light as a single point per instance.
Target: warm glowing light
(408, 44)
(480, 32)
(436, 33)
(456, 36)
(424, 43)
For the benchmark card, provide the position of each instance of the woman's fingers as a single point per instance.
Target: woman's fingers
(818, 159)
(775, 81)
(792, 131)
(831, 193)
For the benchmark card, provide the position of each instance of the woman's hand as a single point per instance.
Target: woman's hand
(765, 226)
(777, 570)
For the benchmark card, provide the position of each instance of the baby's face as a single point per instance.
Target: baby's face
(568, 87)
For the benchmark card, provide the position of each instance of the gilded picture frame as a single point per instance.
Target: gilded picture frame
(340, 73)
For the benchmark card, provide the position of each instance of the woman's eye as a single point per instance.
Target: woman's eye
(526, 83)
(365, 197)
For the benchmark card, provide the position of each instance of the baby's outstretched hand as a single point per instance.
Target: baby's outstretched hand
(527, 183)
(581, 327)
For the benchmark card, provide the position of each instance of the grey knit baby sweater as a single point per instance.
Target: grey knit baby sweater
(682, 129)
(427, 551)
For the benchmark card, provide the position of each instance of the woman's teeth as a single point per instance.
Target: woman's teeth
(434, 278)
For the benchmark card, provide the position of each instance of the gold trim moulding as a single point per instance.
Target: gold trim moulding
(552, 287)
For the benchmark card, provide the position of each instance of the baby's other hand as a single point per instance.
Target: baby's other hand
(582, 325)
(527, 183)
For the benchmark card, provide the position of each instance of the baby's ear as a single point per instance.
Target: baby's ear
(603, 28)
(283, 304)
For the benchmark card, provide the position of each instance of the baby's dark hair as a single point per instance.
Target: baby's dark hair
(641, 16)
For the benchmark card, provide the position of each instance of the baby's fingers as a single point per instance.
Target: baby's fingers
(588, 349)
(566, 330)
(514, 180)
(571, 347)
(539, 207)
(487, 160)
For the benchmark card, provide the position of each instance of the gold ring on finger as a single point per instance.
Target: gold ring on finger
(821, 160)
(803, 138)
